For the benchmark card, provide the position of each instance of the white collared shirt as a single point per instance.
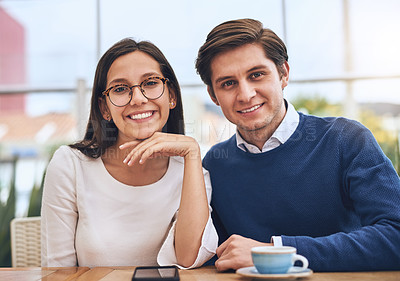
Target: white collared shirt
(280, 136)
(284, 131)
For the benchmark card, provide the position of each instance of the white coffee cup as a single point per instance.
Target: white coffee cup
(274, 260)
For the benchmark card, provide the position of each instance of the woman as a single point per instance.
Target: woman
(113, 198)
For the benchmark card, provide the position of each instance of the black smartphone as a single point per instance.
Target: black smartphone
(156, 273)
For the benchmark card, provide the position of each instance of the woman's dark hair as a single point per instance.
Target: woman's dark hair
(235, 33)
(100, 133)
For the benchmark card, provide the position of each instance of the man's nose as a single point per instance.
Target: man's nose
(245, 92)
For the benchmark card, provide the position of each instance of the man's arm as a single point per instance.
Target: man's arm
(371, 188)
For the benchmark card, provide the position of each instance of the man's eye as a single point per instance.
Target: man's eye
(228, 83)
(256, 75)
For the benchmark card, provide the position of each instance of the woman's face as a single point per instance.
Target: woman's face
(141, 117)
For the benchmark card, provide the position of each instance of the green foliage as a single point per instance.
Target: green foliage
(35, 200)
(396, 157)
(7, 212)
(316, 105)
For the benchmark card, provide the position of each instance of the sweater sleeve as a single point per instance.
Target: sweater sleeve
(59, 212)
(372, 186)
(209, 240)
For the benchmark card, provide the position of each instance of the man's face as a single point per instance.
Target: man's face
(249, 88)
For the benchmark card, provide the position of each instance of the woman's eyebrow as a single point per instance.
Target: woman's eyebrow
(126, 81)
(119, 80)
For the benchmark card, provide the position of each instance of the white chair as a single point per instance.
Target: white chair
(25, 242)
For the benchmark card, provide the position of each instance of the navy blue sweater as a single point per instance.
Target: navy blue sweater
(329, 191)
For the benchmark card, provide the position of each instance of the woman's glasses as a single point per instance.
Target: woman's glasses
(152, 88)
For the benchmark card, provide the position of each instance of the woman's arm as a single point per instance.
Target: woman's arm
(59, 213)
(194, 211)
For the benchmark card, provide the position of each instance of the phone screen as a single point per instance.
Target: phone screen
(156, 273)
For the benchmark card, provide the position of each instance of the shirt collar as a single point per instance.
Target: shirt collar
(280, 136)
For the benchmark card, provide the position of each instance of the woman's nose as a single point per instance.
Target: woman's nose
(137, 96)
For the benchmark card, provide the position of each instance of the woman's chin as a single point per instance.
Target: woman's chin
(144, 135)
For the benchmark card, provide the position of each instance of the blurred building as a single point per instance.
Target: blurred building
(12, 62)
(22, 135)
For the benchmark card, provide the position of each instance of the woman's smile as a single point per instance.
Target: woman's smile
(142, 116)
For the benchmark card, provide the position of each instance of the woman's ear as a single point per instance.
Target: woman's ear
(172, 104)
(105, 112)
(172, 100)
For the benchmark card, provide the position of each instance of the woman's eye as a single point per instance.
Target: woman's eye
(150, 83)
(121, 89)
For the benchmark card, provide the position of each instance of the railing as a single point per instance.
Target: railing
(81, 90)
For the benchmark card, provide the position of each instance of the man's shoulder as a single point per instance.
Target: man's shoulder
(331, 123)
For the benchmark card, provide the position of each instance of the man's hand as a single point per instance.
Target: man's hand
(235, 252)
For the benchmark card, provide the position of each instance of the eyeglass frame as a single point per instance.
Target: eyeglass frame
(107, 92)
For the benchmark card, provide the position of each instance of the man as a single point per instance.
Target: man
(322, 185)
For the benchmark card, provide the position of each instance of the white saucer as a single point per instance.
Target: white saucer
(294, 272)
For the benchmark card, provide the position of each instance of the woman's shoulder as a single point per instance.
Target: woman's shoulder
(67, 152)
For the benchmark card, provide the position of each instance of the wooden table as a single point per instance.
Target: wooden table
(201, 274)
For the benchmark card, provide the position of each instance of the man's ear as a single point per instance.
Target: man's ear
(212, 95)
(105, 112)
(285, 74)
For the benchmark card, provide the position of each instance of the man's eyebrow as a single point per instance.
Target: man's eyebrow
(257, 67)
(220, 79)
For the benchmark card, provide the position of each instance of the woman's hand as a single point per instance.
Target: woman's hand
(161, 144)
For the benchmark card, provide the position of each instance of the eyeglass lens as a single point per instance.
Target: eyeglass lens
(151, 88)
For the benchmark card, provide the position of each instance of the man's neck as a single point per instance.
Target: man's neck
(261, 135)
(256, 137)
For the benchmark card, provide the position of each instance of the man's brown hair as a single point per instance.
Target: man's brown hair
(235, 33)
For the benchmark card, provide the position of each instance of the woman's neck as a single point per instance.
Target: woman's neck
(136, 174)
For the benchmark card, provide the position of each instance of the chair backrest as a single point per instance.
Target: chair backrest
(25, 242)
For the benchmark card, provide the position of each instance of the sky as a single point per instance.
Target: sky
(61, 40)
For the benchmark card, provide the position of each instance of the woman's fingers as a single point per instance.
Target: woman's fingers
(129, 144)
(160, 144)
(139, 147)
